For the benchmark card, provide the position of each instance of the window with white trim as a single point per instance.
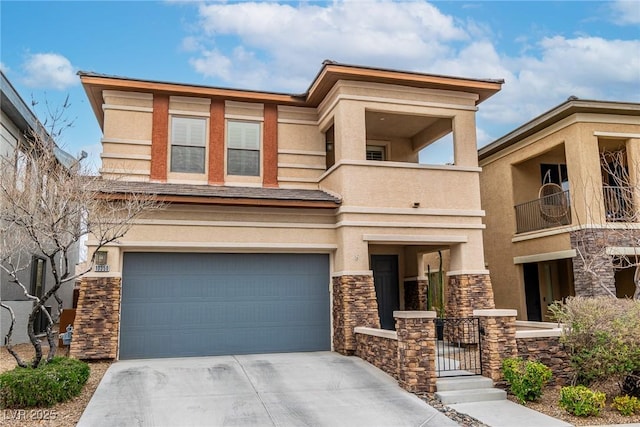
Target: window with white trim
(243, 148)
(188, 144)
(376, 152)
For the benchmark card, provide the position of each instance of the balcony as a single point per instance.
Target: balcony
(549, 211)
(618, 204)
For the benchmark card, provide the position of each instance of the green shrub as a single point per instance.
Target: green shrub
(627, 405)
(526, 378)
(601, 335)
(57, 381)
(581, 401)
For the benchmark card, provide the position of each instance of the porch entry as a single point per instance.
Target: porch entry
(385, 278)
(458, 347)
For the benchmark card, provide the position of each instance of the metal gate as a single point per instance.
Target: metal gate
(459, 352)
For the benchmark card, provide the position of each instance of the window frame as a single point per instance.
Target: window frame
(204, 147)
(227, 149)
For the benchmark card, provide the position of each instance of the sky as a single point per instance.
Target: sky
(545, 51)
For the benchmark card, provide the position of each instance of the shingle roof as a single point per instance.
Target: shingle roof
(210, 191)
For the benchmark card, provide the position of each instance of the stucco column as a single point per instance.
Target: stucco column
(465, 150)
(497, 339)
(633, 159)
(97, 322)
(354, 304)
(416, 332)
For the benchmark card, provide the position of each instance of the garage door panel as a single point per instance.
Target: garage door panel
(212, 304)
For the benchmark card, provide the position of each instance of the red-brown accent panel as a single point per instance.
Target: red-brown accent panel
(216, 142)
(160, 138)
(270, 146)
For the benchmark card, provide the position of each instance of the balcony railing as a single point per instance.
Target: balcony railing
(618, 204)
(546, 212)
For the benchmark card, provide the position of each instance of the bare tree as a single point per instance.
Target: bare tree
(598, 245)
(46, 208)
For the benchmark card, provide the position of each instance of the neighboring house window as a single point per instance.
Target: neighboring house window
(8, 143)
(188, 142)
(556, 174)
(243, 148)
(376, 152)
(38, 271)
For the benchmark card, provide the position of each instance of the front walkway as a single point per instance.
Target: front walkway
(293, 389)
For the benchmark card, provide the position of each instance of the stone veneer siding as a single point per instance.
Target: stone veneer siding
(354, 304)
(97, 321)
(468, 292)
(498, 340)
(416, 353)
(415, 294)
(591, 243)
(380, 352)
(549, 351)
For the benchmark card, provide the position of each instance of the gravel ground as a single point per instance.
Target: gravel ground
(462, 419)
(548, 404)
(63, 414)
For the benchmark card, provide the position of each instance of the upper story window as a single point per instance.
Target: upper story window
(188, 144)
(376, 152)
(243, 148)
(330, 142)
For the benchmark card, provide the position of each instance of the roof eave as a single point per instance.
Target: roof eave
(548, 118)
(333, 71)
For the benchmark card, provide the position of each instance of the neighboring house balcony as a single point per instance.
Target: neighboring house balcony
(618, 203)
(549, 211)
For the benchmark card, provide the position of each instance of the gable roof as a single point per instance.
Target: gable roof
(571, 106)
(329, 74)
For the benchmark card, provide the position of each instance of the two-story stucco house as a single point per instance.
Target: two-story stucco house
(561, 214)
(291, 219)
(17, 126)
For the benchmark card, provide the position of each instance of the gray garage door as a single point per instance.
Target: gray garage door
(183, 304)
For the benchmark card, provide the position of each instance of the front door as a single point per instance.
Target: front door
(532, 292)
(385, 277)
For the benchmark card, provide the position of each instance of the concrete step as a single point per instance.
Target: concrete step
(463, 383)
(471, 395)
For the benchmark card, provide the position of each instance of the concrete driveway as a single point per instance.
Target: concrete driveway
(288, 389)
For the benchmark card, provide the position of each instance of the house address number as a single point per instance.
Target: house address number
(101, 268)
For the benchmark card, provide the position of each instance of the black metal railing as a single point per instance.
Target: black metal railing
(459, 352)
(618, 204)
(546, 212)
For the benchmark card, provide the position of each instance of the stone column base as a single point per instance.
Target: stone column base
(95, 329)
(468, 292)
(354, 304)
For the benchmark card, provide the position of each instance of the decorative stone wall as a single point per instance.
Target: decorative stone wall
(381, 352)
(550, 352)
(468, 292)
(416, 350)
(591, 243)
(354, 304)
(415, 294)
(97, 321)
(497, 338)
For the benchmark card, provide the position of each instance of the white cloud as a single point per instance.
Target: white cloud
(281, 47)
(49, 70)
(626, 12)
(3, 67)
(287, 43)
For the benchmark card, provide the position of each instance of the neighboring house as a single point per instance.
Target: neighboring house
(291, 218)
(17, 126)
(550, 200)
